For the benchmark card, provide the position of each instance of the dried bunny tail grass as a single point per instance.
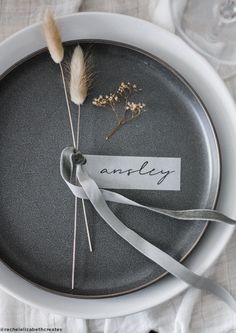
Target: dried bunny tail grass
(80, 76)
(79, 85)
(53, 38)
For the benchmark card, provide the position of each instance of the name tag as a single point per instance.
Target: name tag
(135, 172)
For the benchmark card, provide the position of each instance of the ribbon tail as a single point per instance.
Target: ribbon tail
(184, 215)
(152, 252)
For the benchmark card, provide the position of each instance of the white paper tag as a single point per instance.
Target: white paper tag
(135, 172)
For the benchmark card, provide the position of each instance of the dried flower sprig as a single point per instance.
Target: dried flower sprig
(135, 108)
(81, 75)
(56, 50)
(108, 100)
(125, 89)
(53, 38)
(131, 110)
(80, 81)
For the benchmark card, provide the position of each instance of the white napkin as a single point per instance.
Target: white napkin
(192, 312)
(17, 14)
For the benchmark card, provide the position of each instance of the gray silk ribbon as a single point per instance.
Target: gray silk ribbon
(98, 197)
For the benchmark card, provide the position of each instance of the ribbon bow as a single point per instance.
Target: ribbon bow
(72, 162)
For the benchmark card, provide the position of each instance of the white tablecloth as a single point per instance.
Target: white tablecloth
(194, 311)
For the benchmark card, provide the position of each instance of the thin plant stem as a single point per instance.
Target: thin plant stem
(68, 105)
(74, 244)
(122, 122)
(87, 227)
(75, 144)
(76, 200)
(83, 202)
(78, 128)
(76, 212)
(116, 115)
(115, 129)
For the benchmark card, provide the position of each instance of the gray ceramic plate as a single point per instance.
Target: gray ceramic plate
(36, 207)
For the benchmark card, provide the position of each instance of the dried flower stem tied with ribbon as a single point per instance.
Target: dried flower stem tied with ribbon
(80, 81)
(56, 50)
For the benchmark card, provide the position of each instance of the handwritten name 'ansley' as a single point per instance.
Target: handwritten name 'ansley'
(143, 170)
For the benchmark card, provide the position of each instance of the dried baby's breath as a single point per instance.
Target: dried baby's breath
(130, 111)
(135, 108)
(127, 88)
(108, 100)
